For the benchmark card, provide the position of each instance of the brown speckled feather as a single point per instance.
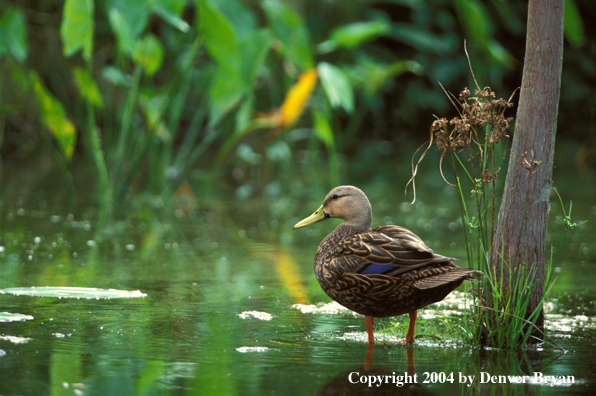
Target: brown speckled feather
(383, 272)
(415, 276)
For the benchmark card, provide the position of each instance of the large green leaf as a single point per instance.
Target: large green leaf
(135, 12)
(13, 34)
(54, 117)
(354, 34)
(476, 21)
(226, 91)
(122, 30)
(372, 76)
(422, 39)
(479, 30)
(77, 27)
(290, 30)
(239, 15)
(337, 86)
(239, 60)
(253, 50)
(574, 27)
(129, 18)
(219, 37)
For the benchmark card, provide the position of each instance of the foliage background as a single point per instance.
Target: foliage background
(116, 98)
(142, 108)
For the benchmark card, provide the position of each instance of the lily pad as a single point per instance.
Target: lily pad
(14, 317)
(73, 292)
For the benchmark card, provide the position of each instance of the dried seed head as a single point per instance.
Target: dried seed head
(463, 95)
(528, 161)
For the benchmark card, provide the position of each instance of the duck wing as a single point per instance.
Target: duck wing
(387, 250)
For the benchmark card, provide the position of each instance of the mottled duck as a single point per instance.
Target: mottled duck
(379, 273)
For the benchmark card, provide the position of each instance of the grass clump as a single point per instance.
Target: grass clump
(475, 141)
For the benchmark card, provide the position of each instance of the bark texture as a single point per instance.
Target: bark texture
(519, 239)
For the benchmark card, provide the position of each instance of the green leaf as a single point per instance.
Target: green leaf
(170, 11)
(149, 53)
(54, 117)
(354, 34)
(219, 35)
(423, 40)
(13, 34)
(87, 87)
(476, 21)
(337, 86)
(574, 27)
(123, 31)
(244, 115)
(77, 27)
(135, 13)
(291, 32)
(323, 130)
(372, 76)
(498, 52)
(253, 50)
(225, 92)
(239, 15)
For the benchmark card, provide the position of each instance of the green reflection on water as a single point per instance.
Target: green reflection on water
(199, 274)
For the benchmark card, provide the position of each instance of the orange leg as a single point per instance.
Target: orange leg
(411, 327)
(369, 328)
(369, 357)
(411, 365)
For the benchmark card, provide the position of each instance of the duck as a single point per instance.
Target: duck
(385, 272)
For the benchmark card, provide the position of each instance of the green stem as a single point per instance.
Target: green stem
(103, 189)
(123, 138)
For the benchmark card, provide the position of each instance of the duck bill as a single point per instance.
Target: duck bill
(319, 215)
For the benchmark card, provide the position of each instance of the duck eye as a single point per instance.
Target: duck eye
(335, 196)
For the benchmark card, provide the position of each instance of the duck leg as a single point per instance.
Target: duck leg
(369, 328)
(411, 327)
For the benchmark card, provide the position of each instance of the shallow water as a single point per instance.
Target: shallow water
(219, 317)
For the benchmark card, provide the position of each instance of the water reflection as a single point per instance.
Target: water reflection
(370, 379)
(188, 335)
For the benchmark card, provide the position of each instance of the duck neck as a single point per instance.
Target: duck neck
(361, 221)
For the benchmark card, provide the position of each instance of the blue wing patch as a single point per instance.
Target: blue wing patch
(375, 269)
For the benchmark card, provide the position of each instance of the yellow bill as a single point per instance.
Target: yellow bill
(319, 215)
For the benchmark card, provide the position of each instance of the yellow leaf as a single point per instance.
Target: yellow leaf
(297, 97)
(54, 117)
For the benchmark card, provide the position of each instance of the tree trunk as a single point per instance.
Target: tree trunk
(521, 226)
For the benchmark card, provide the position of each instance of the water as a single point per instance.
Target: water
(218, 315)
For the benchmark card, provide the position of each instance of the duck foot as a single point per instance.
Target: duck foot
(411, 328)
